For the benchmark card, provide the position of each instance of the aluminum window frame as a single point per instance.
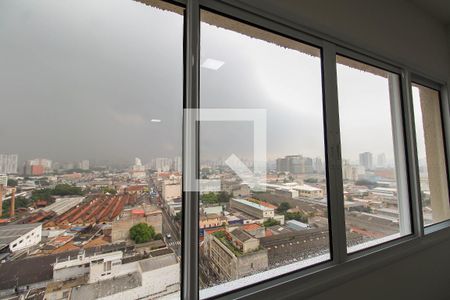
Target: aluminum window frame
(403, 124)
(342, 266)
(444, 108)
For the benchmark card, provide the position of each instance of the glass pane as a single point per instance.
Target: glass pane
(374, 171)
(91, 130)
(261, 99)
(431, 154)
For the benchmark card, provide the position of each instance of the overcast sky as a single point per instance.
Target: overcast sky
(84, 79)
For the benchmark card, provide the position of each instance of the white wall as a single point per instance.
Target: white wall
(33, 237)
(395, 29)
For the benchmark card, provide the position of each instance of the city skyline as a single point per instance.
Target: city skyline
(116, 124)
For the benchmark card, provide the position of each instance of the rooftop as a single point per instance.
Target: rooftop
(9, 233)
(106, 288)
(241, 235)
(158, 262)
(253, 204)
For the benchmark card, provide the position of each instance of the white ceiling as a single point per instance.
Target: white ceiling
(439, 9)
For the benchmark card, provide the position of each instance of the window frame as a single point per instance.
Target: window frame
(444, 108)
(342, 267)
(400, 125)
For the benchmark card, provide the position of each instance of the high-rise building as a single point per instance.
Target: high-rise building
(177, 164)
(295, 164)
(381, 160)
(318, 165)
(281, 165)
(162, 164)
(84, 165)
(138, 170)
(8, 163)
(366, 160)
(309, 165)
(37, 166)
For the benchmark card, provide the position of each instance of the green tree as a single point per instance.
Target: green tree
(177, 217)
(66, 189)
(310, 180)
(365, 182)
(109, 190)
(12, 182)
(142, 233)
(209, 198)
(283, 207)
(270, 222)
(44, 194)
(223, 197)
(298, 216)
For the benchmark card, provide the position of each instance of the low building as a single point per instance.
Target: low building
(233, 255)
(111, 276)
(297, 225)
(120, 228)
(308, 191)
(170, 189)
(20, 237)
(252, 208)
(212, 220)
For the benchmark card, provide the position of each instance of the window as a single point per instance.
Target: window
(261, 154)
(94, 115)
(374, 169)
(95, 102)
(431, 155)
(107, 266)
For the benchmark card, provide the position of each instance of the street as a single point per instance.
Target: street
(168, 226)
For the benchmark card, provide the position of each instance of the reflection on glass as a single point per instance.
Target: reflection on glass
(90, 167)
(375, 189)
(256, 227)
(431, 154)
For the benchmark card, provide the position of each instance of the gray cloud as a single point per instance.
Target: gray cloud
(83, 79)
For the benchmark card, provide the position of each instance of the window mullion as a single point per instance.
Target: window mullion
(333, 153)
(445, 115)
(411, 153)
(190, 242)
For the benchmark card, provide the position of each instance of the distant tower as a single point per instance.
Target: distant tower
(366, 160)
(381, 160)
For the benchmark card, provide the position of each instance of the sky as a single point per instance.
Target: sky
(83, 80)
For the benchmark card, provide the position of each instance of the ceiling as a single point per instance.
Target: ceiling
(439, 9)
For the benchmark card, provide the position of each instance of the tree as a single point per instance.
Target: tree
(177, 217)
(283, 207)
(209, 198)
(223, 197)
(365, 182)
(12, 182)
(311, 180)
(67, 189)
(142, 233)
(298, 216)
(270, 222)
(109, 190)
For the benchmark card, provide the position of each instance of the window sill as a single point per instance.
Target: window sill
(318, 278)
